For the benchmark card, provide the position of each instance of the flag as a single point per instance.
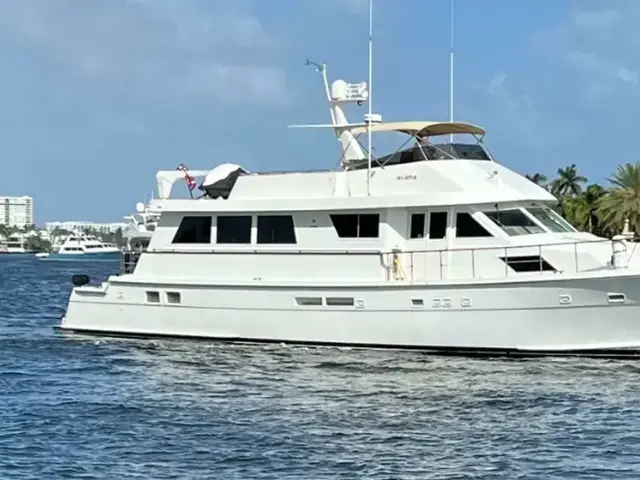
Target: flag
(191, 182)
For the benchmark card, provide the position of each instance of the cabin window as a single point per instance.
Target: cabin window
(438, 225)
(276, 229)
(193, 230)
(365, 225)
(468, 227)
(550, 219)
(528, 263)
(514, 222)
(417, 225)
(233, 229)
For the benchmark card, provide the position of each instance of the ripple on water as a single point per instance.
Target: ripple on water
(86, 408)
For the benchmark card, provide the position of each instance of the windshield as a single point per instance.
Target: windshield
(514, 222)
(550, 219)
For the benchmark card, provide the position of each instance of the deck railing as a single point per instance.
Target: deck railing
(499, 261)
(459, 263)
(128, 261)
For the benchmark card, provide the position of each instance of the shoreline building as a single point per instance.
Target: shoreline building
(81, 226)
(16, 211)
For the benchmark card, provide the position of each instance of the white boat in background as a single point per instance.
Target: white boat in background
(16, 243)
(83, 247)
(141, 225)
(435, 247)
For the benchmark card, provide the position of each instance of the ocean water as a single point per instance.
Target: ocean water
(88, 408)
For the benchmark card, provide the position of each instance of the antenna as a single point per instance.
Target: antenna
(451, 66)
(322, 68)
(370, 96)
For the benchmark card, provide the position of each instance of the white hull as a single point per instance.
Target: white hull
(552, 316)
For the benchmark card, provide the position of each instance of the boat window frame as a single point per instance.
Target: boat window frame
(560, 219)
(276, 230)
(524, 212)
(230, 240)
(202, 226)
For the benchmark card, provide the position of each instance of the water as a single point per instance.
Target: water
(120, 409)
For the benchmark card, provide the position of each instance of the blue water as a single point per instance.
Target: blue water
(82, 408)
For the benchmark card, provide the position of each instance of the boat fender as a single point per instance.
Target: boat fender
(80, 280)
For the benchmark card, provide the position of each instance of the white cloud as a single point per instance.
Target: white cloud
(154, 47)
(506, 101)
(600, 42)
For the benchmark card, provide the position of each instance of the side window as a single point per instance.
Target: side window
(276, 229)
(193, 230)
(233, 229)
(438, 225)
(467, 227)
(366, 225)
(417, 225)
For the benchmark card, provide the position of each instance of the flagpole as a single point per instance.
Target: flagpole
(370, 95)
(451, 65)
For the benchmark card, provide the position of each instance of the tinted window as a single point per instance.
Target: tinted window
(276, 229)
(346, 225)
(193, 230)
(356, 226)
(368, 225)
(466, 226)
(437, 225)
(417, 225)
(514, 222)
(233, 229)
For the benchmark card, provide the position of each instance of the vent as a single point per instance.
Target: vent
(616, 297)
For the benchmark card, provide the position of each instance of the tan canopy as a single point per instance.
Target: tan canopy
(422, 129)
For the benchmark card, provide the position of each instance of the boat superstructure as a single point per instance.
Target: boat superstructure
(435, 246)
(16, 243)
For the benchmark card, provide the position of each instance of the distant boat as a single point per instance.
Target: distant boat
(16, 243)
(83, 247)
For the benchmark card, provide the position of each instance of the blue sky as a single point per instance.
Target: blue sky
(98, 95)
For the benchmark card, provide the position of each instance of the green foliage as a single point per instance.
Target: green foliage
(596, 209)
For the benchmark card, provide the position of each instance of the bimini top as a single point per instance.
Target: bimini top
(422, 129)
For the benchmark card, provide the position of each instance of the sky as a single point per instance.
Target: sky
(97, 96)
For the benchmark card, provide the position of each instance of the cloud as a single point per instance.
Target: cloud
(599, 42)
(507, 101)
(154, 47)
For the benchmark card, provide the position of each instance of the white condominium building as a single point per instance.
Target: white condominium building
(81, 226)
(16, 211)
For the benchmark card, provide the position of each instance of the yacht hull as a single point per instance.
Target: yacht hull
(552, 317)
(113, 256)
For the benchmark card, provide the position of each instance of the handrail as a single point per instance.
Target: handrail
(249, 249)
(460, 262)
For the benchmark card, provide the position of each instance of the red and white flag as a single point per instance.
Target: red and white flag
(191, 182)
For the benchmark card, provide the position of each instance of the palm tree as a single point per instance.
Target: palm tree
(581, 210)
(568, 183)
(537, 178)
(623, 200)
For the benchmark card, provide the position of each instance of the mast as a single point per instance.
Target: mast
(451, 65)
(370, 96)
